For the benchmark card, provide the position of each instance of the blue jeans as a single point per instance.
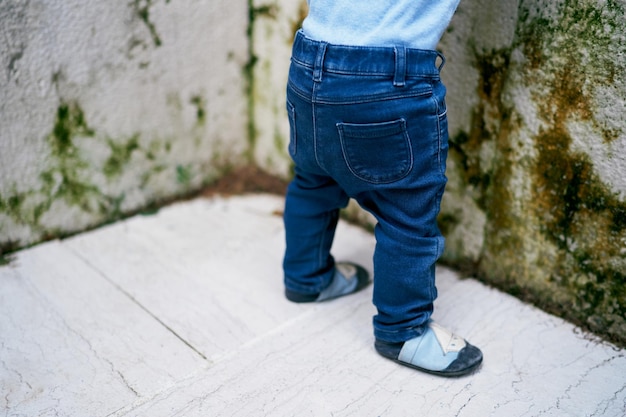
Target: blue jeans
(368, 124)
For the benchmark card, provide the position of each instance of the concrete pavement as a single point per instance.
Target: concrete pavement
(182, 314)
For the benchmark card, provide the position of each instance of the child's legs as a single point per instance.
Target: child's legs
(374, 120)
(393, 160)
(408, 244)
(311, 214)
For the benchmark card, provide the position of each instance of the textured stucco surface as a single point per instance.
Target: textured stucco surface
(536, 201)
(106, 107)
(273, 26)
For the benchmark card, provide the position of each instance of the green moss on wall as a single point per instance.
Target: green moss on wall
(120, 156)
(296, 23)
(71, 178)
(579, 214)
(447, 222)
(183, 174)
(271, 11)
(70, 121)
(267, 11)
(64, 179)
(489, 117)
(248, 74)
(567, 58)
(142, 10)
(200, 104)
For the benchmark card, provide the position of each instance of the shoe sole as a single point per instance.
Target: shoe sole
(454, 374)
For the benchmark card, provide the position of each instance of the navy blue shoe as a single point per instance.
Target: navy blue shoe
(348, 279)
(437, 351)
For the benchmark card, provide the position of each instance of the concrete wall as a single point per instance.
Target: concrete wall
(109, 106)
(536, 201)
(274, 24)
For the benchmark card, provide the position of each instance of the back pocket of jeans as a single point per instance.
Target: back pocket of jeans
(377, 152)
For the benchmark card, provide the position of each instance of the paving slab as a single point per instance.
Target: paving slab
(72, 344)
(182, 314)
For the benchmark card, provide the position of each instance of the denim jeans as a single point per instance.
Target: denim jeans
(369, 124)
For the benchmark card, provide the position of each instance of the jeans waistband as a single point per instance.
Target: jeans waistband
(398, 61)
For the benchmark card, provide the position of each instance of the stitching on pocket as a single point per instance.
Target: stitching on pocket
(377, 153)
(291, 113)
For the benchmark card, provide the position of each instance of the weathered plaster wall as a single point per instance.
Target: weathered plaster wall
(536, 201)
(108, 106)
(273, 26)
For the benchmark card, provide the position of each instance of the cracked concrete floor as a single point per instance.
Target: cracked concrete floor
(181, 314)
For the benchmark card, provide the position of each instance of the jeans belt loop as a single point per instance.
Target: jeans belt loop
(319, 62)
(443, 61)
(399, 76)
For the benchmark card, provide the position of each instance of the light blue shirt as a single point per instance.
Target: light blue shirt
(412, 23)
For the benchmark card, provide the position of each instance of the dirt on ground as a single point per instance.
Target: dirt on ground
(249, 179)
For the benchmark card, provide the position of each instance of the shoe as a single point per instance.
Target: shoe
(437, 351)
(348, 279)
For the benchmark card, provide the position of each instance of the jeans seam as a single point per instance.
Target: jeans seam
(293, 147)
(377, 97)
(438, 127)
(331, 70)
(320, 246)
(302, 94)
(314, 117)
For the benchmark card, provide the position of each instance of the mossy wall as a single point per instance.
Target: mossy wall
(536, 199)
(536, 202)
(273, 24)
(107, 107)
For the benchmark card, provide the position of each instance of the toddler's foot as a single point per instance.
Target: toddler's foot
(348, 279)
(437, 351)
